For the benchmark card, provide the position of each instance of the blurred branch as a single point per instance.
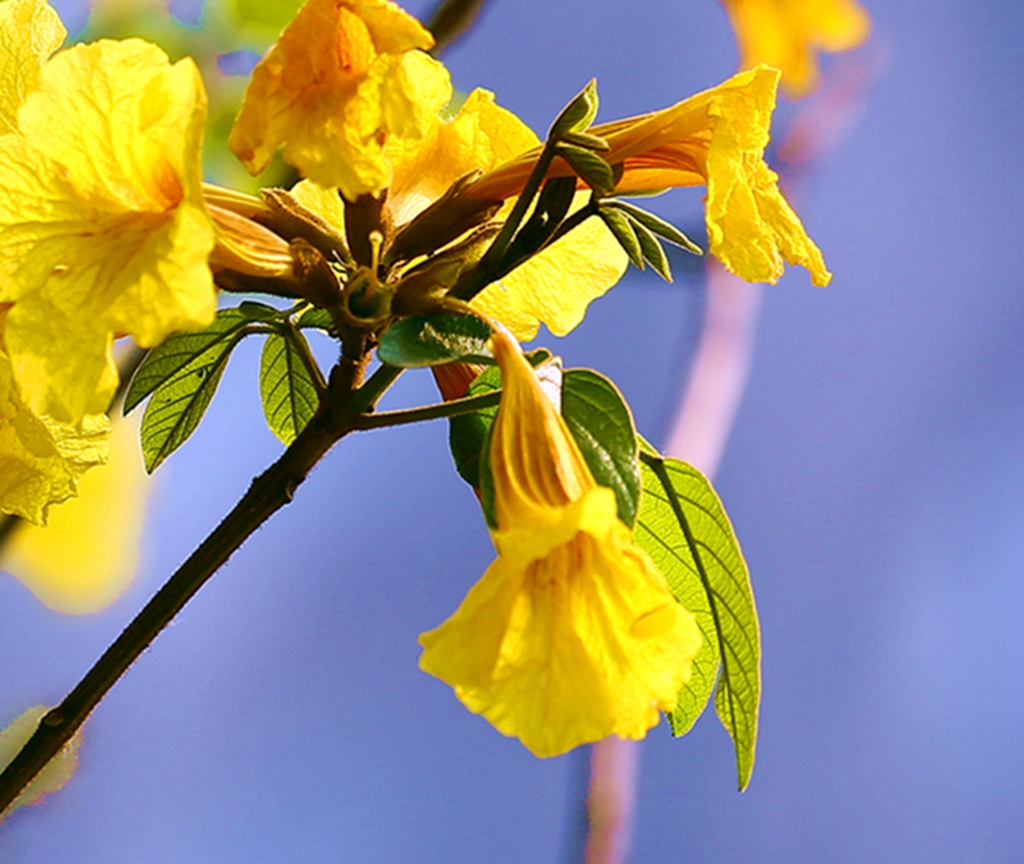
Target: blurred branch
(450, 20)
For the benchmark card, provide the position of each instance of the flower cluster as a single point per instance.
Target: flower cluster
(107, 230)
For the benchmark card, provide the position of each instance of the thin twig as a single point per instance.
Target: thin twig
(455, 408)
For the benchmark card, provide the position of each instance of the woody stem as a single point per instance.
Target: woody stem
(343, 402)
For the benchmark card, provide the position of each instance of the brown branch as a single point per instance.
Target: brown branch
(269, 492)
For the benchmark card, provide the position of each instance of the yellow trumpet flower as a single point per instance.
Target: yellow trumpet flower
(714, 139)
(788, 34)
(571, 634)
(344, 76)
(103, 229)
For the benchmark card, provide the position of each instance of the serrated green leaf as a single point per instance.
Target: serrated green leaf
(651, 248)
(178, 404)
(467, 433)
(691, 538)
(589, 167)
(434, 340)
(602, 424)
(579, 113)
(659, 226)
(622, 229)
(288, 390)
(660, 535)
(178, 351)
(319, 318)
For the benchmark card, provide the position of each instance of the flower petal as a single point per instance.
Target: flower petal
(30, 31)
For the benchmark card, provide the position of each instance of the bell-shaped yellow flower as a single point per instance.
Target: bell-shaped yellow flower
(714, 139)
(103, 229)
(88, 553)
(572, 633)
(788, 34)
(345, 76)
(41, 459)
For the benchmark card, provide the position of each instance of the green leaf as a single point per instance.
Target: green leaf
(319, 318)
(658, 225)
(602, 424)
(684, 528)
(583, 139)
(258, 311)
(652, 251)
(622, 228)
(289, 392)
(579, 113)
(416, 342)
(590, 167)
(468, 432)
(178, 351)
(178, 404)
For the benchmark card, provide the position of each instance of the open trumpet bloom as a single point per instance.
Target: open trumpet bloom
(571, 634)
(714, 139)
(788, 34)
(103, 230)
(344, 76)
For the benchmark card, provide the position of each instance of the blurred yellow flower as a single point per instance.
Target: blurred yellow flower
(57, 772)
(88, 553)
(714, 139)
(344, 77)
(788, 34)
(571, 634)
(41, 460)
(103, 229)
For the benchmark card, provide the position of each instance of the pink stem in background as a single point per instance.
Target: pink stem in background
(700, 429)
(721, 368)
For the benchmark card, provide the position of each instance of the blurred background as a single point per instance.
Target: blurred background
(875, 476)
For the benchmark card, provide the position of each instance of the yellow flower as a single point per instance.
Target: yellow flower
(572, 634)
(103, 229)
(555, 286)
(41, 460)
(88, 553)
(787, 34)
(714, 139)
(344, 76)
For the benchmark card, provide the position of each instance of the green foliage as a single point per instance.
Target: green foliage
(434, 340)
(638, 233)
(589, 167)
(579, 113)
(318, 318)
(179, 402)
(622, 228)
(657, 225)
(290, 384)
(468, 432)
(177, 352)
(684, 528)
(602, 424)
